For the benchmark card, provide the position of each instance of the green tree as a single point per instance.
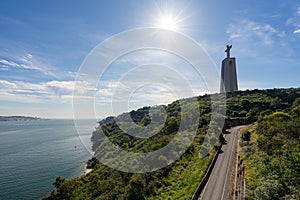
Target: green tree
(59, 181)
(269, 189)
(136, 188)
(172, 125)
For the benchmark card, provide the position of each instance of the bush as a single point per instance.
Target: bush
(243, 113)
(296, 102)
(270, 189)
(248, 150)
(246, 135)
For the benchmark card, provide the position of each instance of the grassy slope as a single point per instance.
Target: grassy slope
(180, 179)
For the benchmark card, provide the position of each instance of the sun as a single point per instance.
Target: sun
(167, 21)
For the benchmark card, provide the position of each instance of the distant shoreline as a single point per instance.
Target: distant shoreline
(18, 118)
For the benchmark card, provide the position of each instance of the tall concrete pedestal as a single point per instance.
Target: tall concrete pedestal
(228, 74)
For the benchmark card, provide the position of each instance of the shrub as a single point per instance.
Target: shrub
(246, 135)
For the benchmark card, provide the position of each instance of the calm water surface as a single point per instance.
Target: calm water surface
(34, 153)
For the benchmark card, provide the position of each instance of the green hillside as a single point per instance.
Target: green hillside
(179, 179)
(272, 155)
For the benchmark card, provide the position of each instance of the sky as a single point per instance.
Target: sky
(44, 44)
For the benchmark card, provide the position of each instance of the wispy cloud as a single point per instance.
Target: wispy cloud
(27, 62)
(55, 92)
(294, 21)
(26, 92)
(12, 64)
(30, 63)
(297, 31)
(141, 86)
(249, 31)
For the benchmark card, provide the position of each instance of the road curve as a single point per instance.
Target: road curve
(219, 185)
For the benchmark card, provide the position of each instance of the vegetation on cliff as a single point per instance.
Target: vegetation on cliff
(179, 179)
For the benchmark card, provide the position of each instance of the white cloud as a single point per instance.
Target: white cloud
(297, 31)
(234, 36)
(16, 65)
(26, 92)
(294, 21)
(4, 68)
(248, 31)
(7, 84)
(176, 76)
(67, 86)
(30, 62)
(144, 85)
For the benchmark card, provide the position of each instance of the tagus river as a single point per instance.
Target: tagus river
(34, 153)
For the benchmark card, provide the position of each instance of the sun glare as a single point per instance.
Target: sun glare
(167, 22)
(170, 16)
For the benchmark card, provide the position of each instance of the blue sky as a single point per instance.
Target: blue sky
(44, 43)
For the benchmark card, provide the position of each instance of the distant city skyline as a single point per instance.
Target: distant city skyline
(44, 43)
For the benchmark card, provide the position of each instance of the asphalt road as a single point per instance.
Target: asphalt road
(219, 184)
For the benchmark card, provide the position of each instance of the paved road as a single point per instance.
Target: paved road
(219, 185)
